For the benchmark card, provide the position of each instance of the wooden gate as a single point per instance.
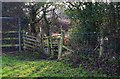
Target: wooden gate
(31, 42)
(10, 34)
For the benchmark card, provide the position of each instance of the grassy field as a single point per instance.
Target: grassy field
(21, 65)
(0, 66)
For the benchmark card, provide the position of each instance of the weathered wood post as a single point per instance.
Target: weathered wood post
(19, 34)
(101, 43)
(51, 42)
(61, 44)
(23, 40)
(36, 43)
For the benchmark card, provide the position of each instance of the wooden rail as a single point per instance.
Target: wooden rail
(67, 48)
(30, 41)
(9, 41)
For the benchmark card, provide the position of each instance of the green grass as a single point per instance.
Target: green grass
(17, 66)
(0, 66)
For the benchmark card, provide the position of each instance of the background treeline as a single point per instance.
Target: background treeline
(95, 35)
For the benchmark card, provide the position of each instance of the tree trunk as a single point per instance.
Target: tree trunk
(48, 32)
(41, 40)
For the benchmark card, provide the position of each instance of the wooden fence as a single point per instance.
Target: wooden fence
(57, 43)
(10, 34)
(31, 42)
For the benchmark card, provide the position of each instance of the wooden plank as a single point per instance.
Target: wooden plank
(11, 31)
(9, 38)
(27, 45)
(31, 39)
(30, 46)
(52, 43)
(29, 36)
(9, 45)
(55, 36)
(67, 48)
(55, 43)
(27, 48)
(30, 42)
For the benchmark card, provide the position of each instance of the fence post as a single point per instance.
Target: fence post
(61, 44)
(101, 43)
(52, 53)
(19, 31)
(23, 40)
